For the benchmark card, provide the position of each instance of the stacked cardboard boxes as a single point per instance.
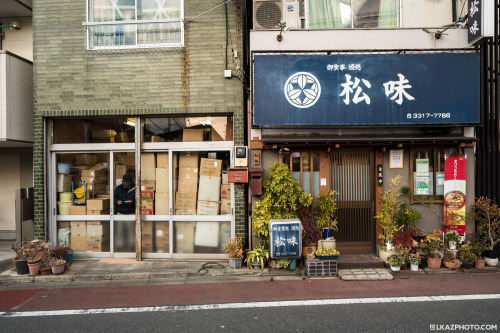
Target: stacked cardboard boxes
(209, 186)
(99, 206)
(148, 183)
(97, 239)
(78, 236)
(186, 195)
(155, 237)
(96, 180)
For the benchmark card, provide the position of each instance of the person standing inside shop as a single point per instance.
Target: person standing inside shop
(125, 196)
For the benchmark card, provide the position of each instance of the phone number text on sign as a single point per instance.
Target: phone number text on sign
(427, 115)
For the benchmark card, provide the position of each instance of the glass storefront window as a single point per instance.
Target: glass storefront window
(188, 129)
(201, 237)
(155, 237)
(428, 172)
(93, 130)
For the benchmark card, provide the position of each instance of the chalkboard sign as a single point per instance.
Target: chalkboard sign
(285, 237)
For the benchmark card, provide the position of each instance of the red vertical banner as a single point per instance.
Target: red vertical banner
(454, 194)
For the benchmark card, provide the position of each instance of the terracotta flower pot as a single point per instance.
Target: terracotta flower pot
(479, 264)
(452, 265)
(34, 267)
(433, 263)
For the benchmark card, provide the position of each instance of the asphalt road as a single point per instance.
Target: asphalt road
(426, 316)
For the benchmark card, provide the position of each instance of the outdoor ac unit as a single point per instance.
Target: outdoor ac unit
(267, 13)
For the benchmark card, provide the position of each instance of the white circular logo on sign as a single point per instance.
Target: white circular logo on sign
(302, 90)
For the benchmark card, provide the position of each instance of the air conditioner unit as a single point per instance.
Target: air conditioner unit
(267, 13)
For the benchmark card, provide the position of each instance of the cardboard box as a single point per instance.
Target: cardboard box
(97, 243)
(147, 204)
(97, 188)
(99, 166)
(185, 212)
(78, 228)
(145, 211)
(63, 183)
(209, 188)
(162, 180)
(225, 191)
(63, 225)
(98, 212)
(225, 177)
(129, 161)
(121, 137)
(85, 159)
(98, 204)
(95, 180)
(103, 196)
(162, 205)
(162, 237)
(148, 166)
(225, 206)
(184, 234)
(162, 160)
(94, 173)
(155, 138)
(190, 135)
(95, 223)
(185, 200)
(208, 208)
(148, 185)
(188, 180)
(120, 171)
(210, 167)
(94, 230)
(188, 159)
(147, 195)
(78, 243)
(78, 210)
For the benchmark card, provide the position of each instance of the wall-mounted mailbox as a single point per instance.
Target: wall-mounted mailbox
(256, 180)
(237, 175)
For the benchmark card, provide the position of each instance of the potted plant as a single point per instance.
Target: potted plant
(21, 257)
(281, 198)
(327, 253)
(396, 260)
(234, 250)
(311, 233)
(453, 239)
(326, 206)
(487, 215)
(58, 266)
(450, 260)
(257, 256)
(388, 218)
(414, 260)
(281, 263)
(467, 256)
(432, 247)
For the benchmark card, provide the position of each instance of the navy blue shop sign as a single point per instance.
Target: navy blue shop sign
(364, 90)
(285, 237)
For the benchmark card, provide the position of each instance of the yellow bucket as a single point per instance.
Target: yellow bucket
(65, 196)
(64, 207)
(80, 194)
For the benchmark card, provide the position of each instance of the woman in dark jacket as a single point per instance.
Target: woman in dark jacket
(125, 196)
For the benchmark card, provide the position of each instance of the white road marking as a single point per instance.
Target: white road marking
(173, 308)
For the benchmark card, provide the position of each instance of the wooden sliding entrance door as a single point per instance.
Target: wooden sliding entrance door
(352, 176)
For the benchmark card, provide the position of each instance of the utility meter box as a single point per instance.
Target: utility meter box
(240, 156)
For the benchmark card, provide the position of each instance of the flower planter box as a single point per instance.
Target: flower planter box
(324, 268)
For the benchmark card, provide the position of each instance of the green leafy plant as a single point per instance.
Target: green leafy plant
(327, 252)
(258, 254)
(326, 205)
(449, 256)
(281, 197)
(453, 236)
(281, 263)
(234, 248)
(388, 212)
(414, 258)
(467, 254)
(487, 215)
(432, 245)
(396, 260)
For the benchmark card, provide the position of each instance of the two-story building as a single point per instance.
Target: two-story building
(16, 116)
(149, 89)
(351, 93)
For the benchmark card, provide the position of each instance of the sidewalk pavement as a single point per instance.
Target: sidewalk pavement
(122, 271)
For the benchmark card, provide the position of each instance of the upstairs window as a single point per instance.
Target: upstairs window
(135, 24)
(346, 14)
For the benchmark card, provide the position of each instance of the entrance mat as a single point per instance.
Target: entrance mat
(351, 261)
(365, 274)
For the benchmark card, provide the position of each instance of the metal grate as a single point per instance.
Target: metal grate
(324, 268)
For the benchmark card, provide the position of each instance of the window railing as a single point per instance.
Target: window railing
(134, 34)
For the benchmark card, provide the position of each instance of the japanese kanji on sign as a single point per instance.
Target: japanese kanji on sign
(285, 238)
